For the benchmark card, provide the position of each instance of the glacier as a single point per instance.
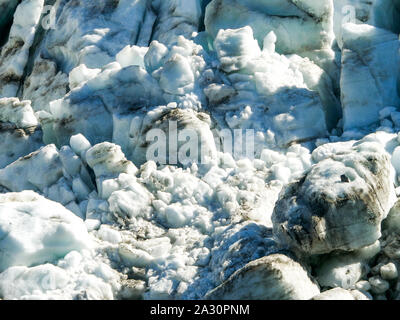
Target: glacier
(200, 149)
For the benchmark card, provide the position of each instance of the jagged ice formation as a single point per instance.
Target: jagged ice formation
(311, 213)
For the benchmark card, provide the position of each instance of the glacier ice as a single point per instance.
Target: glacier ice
(76, 276)
(282, 17)
(374, 85)
(269, 278)
(186, 149)
(341, 294)
(339, 204)
(269, 86)
(7, 10)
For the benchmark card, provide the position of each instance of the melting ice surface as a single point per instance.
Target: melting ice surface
(309, 211)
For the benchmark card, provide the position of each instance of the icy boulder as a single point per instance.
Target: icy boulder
(19, 130)
(370, 65)
(117, 183)
(340, 203)
(239, 245)
(108, 162)
(187, 130)
(299, 25)
(34, 230)
(35, 171)
(275, 277)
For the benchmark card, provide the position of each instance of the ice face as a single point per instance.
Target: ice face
(376, 81)
(268, 91)
(14, 55)
(170, 149)
(43, 231)
(282, 17)
(7, 9)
